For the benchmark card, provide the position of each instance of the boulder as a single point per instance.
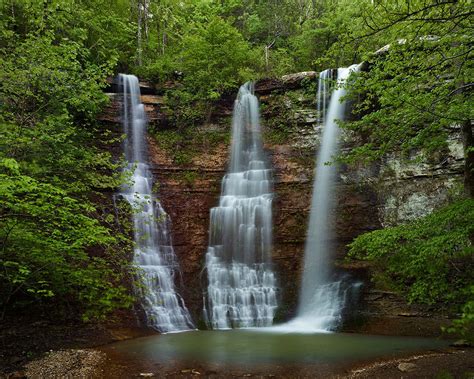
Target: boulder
(461, 343)
(292, 81)
(266, 86)
(407, 367)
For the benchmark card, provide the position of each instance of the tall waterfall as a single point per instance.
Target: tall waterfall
(321, 298)
(241, 284)
(154, 254)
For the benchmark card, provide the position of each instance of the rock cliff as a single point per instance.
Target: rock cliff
(188, 165)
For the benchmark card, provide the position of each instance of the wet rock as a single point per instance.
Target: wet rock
(152, 99)
(266, 86)
(295, 80)
(145, 87)
(16, 375)
(413, 187)
(191, 371)
(461, 343)
(287, 82)
(153, 104)
(407, 367)
(409, 314)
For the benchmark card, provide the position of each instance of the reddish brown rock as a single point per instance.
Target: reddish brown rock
(188, 191)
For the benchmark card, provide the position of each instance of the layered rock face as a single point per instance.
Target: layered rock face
(188, 165)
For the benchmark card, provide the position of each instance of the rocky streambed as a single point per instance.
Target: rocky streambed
(104, 363)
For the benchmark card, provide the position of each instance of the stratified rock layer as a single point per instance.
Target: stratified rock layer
(369, 197)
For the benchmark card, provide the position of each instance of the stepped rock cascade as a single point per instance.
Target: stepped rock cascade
(322, 299)
(154, 254)
(241, 288)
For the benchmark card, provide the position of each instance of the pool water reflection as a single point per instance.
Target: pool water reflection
(247, 348)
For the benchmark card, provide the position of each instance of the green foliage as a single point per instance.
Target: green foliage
(322, 41)
(190, 178)
(211, 47)
(414, 94)
(185, 144)
(277, 136)
(414, 111)
(185, 109)
(210, 58)
(280, 63)
(174, 143)
(430, 259)
(465, 324)
(419, 89)
(282, 113)
(215, 58)
(45, 238)
(100, 26)
(60, 249)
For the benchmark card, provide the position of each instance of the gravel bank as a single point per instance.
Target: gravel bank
(83, 363)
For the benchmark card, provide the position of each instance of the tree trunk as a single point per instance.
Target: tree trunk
(266, 48)
(468, 141)
(139, 36)
(164, 39)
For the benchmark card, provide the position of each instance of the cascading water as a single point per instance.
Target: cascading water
(241, 288)
(154, 254)
(321, 299)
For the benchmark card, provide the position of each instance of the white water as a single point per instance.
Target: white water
(241, 288)
(321, 299)
(154, 254)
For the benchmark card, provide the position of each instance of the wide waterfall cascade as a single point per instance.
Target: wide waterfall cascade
(322, 300)
(153, 254)
(241, 288)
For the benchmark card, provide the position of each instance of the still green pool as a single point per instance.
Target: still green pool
(249, 347)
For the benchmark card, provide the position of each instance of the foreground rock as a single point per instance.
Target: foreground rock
(407, 367)
(442, 364)
(84, 363)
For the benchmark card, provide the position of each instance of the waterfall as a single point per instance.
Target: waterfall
(153, 254)
(241, 288)
(322, 299)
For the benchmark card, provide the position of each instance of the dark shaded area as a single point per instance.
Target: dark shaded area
(27, 337)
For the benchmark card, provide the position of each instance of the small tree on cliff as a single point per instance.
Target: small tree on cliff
(421, 88)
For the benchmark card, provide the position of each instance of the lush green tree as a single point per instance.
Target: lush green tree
(429, 260)
(46, 235)
(263, 26)
(100, 26)
(214, 58)
(58, 248)
(420, 88)
(210, 58)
